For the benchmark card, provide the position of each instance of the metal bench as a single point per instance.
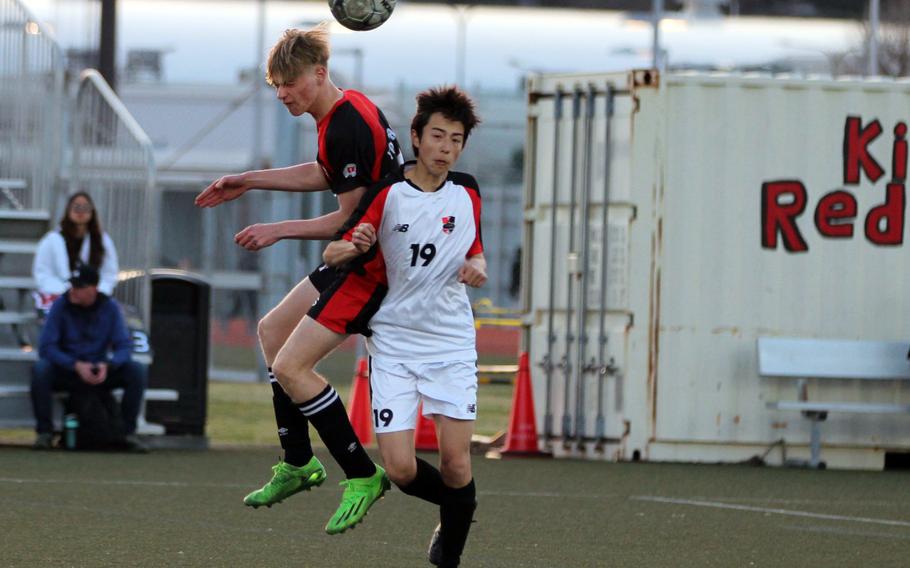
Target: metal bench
(496, 374)
(823, 359)
(25, 420)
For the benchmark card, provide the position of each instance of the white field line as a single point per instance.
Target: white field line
(781, 501)
(119, 482)
(846, 532)
(768, 511)
(702, 502)
(147, 483)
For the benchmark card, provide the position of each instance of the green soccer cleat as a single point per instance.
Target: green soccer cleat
(359, 495)
(286, 481)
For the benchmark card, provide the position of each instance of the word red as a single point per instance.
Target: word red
(784, 201)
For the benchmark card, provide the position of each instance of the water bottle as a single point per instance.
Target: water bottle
(70, 425)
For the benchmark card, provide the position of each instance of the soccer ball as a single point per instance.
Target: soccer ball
(361, 15)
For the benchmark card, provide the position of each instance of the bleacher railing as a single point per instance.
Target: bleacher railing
(31, 109)
(113, 161)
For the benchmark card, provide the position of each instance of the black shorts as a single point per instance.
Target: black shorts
(322, 277)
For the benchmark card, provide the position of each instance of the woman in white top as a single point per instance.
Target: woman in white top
(79, 240)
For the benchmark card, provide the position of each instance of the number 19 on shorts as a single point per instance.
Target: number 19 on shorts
(385, 415)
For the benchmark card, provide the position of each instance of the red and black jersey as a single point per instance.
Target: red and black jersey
(356, 145)
(348, 302)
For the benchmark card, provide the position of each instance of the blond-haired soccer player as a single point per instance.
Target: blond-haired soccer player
(356, 148)
(426, 222)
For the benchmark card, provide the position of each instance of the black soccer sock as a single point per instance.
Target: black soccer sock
(293, 427)
(326, 413)
(427, 484)
(455, 515)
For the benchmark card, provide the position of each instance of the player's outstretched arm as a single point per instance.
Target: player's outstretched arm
(342, 251)
(474, 271)
(302, 177)
(261, 235)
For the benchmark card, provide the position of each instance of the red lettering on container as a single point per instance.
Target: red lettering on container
(856, 150)
(899, 154)
(892, 213)
(835, 206)
(777, 216)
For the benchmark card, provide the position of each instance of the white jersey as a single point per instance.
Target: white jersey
(424, 239)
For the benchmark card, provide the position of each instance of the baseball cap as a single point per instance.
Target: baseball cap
(84, 275)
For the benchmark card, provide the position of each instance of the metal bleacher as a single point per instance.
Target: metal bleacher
(20, 231)
(105, 153)
(32, 103)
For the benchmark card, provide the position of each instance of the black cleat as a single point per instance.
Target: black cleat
(434, 553)
(43, 441)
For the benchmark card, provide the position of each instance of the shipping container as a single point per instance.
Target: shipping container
(737, 207)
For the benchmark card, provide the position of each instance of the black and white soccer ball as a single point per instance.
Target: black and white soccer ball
(361, 15)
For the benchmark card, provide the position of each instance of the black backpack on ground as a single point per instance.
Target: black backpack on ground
(100, 423)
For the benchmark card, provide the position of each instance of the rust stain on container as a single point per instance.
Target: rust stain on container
(737, 419)
(645, 78)
(656, 246)
(779, 425)
(734, 331)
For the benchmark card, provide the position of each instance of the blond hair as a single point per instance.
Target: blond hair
(296, 51)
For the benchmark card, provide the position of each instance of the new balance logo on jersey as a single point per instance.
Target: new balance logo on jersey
(350, 170)
(401, 228)
(472, 408)
(448, 224)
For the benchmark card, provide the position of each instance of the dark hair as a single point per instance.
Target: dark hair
(72, 240)
(451, 102)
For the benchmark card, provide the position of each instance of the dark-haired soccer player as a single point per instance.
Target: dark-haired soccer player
(356, 148)
(423, 347)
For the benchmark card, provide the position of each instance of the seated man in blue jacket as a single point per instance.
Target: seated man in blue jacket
(85, 344)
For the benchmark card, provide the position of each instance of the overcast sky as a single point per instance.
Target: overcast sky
(210, 42)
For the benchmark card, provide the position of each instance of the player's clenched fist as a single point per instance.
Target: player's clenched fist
(222, 190)
(474, 271)
(257, 236)
(363, 237)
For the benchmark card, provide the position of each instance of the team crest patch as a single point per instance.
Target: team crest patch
(350, 170)
(448, 224)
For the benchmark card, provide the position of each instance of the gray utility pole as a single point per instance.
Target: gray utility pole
(657, 14)
(257, 151)
(461, 41)
(872, 65)
(107, 49)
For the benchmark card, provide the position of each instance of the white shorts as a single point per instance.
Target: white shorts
(448, 388)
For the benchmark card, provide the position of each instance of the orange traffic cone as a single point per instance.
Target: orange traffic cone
(521, 438)
(425, 435)
(359, 405)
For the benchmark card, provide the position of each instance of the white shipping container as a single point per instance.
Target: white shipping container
(740, 206)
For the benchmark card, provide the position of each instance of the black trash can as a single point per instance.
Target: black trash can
(179, 336)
